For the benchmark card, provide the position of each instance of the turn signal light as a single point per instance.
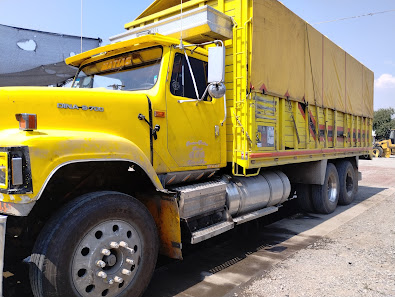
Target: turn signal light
(27, 121)
(159, 114)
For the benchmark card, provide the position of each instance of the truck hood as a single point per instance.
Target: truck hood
(92, 110)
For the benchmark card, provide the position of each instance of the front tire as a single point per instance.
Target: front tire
(378, 152)
(326, 196)
(101, 244)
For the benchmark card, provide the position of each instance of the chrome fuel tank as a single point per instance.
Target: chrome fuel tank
(246, 194)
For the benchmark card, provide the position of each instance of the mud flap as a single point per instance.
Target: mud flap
(164, 210)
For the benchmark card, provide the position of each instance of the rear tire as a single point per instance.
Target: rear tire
(303, 192)
(64, 261)
(348, 181)
(326, 196)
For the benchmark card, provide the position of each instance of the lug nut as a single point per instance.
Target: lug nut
(102, 274)
(101, 263)
(118, 279)
(126, 272)
(129, 261)
(110, 281)
(123, 244)
(114, 245)
(130, 250)
(105, 252)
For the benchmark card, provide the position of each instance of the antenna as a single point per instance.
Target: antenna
(81, 26)
(181, 45)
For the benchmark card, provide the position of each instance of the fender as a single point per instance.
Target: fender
(51, 150)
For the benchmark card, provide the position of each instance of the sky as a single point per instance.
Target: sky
(370, 39)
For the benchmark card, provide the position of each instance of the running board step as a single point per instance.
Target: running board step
(254, 215)
(211, 231)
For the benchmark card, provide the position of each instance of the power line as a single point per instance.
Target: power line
(355, 17)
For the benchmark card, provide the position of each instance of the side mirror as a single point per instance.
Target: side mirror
(216, 64)
(216, 71)
(216, 90)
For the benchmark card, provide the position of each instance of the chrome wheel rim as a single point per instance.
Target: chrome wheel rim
(332, 189)
(106, 260)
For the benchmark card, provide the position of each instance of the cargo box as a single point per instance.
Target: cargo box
(292, 94)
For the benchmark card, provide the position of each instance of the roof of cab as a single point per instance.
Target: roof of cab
(107, 50)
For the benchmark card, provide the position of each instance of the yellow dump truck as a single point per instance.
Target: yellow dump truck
(197, 118)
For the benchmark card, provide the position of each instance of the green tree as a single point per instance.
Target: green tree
(383, 122)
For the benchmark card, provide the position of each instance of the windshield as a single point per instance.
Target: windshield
(392, 134)
(136, 70)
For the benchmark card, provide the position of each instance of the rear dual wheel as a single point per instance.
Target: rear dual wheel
(348, 180)
(325, 197)
(101, 244)
(340, 187)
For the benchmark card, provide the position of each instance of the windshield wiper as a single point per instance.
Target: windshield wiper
(116, 87)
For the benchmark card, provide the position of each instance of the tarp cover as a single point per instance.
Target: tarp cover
(291, 58)
(36, 58)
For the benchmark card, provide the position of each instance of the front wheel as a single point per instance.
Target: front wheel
(101, 244)
(378, 152)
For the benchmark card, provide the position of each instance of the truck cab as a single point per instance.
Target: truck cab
(138, 118)
(189, 133)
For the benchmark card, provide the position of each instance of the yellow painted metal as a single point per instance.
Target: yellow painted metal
(158, 6)
(109, 50)
(315, 86)
(162, 9)
(186, 140)
(51, 149)
(292, 96)
(387, 147)
(164, 210)
(191, 134)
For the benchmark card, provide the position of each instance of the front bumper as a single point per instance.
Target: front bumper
(16, 209)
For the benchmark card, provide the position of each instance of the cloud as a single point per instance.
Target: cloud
(385, 81)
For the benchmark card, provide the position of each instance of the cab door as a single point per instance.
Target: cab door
(194, 130)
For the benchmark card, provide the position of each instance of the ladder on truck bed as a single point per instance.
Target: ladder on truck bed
(241, 136)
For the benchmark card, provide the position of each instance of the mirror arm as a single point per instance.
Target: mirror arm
(192, 75)
(194, 100)
(225, 109)
(204, 94)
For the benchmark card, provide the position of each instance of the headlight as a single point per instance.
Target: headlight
(3, 170)
(15, 171)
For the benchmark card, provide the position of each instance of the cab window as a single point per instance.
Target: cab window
(181, 79)
(137, 70)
